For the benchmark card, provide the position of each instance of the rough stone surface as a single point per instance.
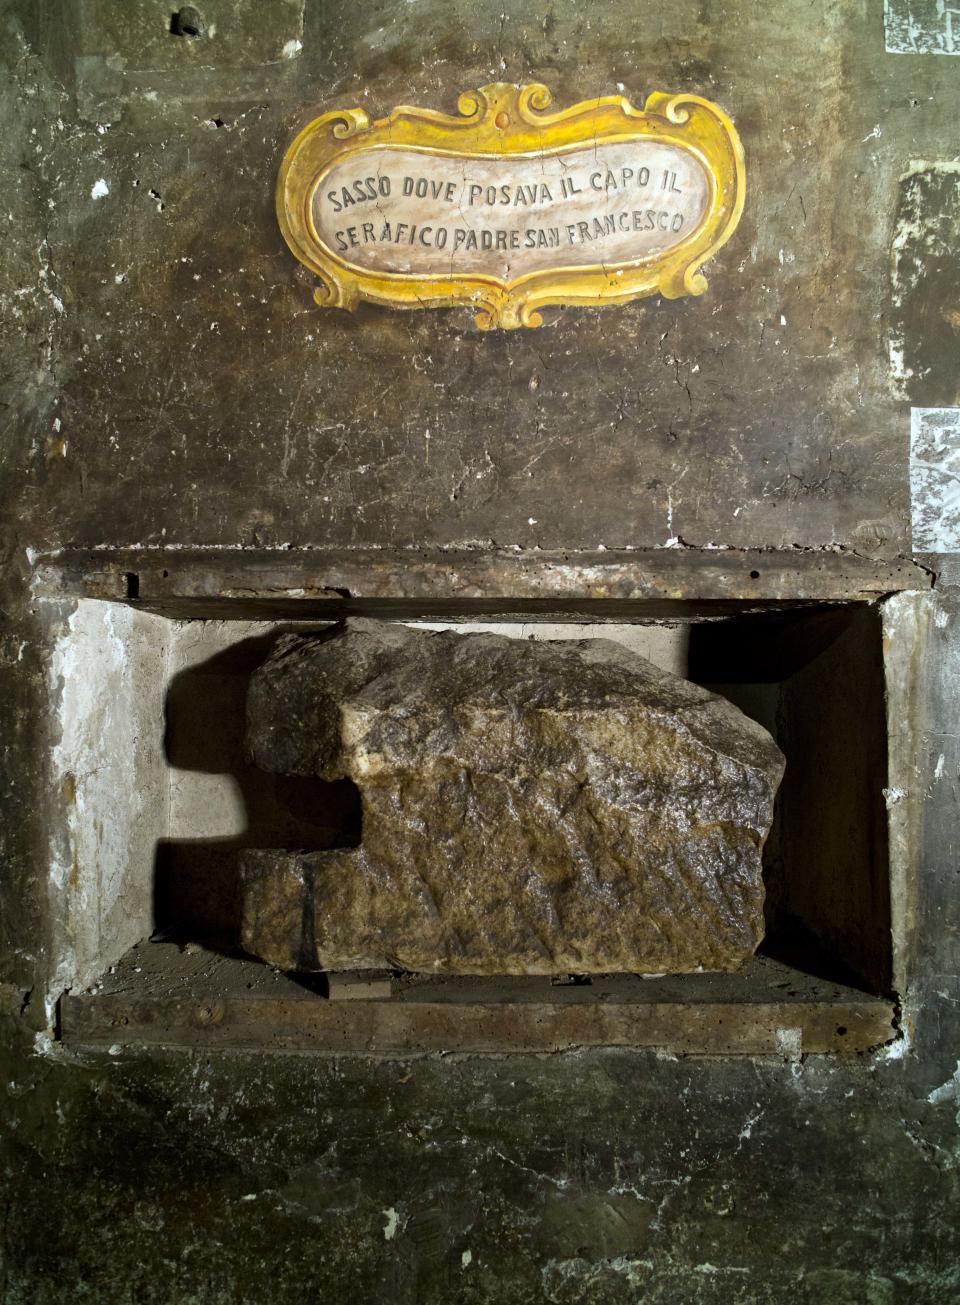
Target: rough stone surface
(527, 808)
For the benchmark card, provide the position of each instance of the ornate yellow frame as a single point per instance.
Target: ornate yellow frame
(504, 119)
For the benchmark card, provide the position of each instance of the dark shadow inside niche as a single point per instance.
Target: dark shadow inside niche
(815, 680)
(197, 881)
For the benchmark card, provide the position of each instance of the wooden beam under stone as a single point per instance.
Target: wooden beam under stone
(161, 996)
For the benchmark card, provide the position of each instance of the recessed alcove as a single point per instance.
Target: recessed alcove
(150, 938)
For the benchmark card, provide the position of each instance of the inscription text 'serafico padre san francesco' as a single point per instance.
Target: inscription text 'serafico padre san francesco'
(509, 207)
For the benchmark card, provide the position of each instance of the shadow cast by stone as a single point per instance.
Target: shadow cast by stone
(196, 879)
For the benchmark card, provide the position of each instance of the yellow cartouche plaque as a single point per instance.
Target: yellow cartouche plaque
(509, 207)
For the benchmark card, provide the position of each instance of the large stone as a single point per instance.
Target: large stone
(528, 808)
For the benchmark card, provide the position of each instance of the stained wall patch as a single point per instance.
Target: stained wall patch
(925, 285)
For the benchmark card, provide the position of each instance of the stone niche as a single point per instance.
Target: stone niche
(528, 807)
(172, 803)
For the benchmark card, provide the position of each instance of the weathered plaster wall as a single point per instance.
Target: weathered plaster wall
(575, 1180)
(190, 353)
(168, 382)
(109, 768)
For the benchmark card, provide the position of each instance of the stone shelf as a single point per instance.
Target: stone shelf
(162, 994)
(464, 583)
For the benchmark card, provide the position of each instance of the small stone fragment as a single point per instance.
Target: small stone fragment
(528, 808)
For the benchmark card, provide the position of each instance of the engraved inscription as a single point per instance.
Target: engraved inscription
(409, 211)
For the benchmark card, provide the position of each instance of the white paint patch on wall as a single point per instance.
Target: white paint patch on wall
(935, 479)
(109, 774)
(921, 26)
(949, 1091)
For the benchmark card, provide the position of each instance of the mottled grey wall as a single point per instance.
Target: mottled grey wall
(186, 351)
(168, 381)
